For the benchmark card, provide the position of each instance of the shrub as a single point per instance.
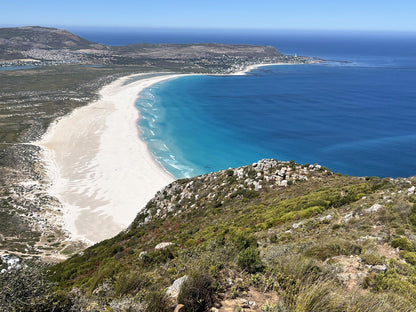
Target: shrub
(276, 307)
(292, 273)
(368, 302)
(249, 260)
(131, 283)
(246, 193)
(372, 259)
(315, 297)
(333, 248)
(403, 243)
(409, 256)
(28, 289)
(106, 271)
(403, 210)
(243, 241)
(158, 301)
(197, 292)
(160, 256)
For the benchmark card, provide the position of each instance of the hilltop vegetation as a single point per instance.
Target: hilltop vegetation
(272, 236)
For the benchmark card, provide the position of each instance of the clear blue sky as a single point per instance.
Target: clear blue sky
(240, 14)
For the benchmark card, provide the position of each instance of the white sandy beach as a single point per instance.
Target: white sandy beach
(100, 170)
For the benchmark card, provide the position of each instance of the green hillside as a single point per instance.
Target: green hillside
(272, 236)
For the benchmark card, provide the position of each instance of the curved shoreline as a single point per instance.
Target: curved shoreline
(99, 168)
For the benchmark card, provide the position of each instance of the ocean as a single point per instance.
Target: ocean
(354, 114)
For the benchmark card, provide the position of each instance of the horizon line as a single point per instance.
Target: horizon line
(199, 28)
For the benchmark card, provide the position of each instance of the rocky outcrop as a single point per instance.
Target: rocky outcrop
(215, 188)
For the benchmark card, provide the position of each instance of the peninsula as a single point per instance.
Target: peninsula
(36, 46)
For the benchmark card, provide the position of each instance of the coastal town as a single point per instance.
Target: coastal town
(203, 58)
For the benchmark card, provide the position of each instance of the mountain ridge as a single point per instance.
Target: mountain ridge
(28, 37)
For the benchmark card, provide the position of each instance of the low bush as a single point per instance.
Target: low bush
(197, 292)
(403, 243)
(160, 256)
(372, 259)
(158, 301)
(28, 289)
(315, 297)
(249, 260)
(275, 307)
(409, 256)
(333, 248)
(131, 283)
(244, 240)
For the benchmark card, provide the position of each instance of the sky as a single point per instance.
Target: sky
(383, 15)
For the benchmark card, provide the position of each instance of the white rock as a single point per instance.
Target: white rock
(12, 262)
(347, 217)
(374, 208)
(163, 245)
(283, 183)
(296, 225)
(324, 218)
(257, 186)
(379, 268)
(175, 288)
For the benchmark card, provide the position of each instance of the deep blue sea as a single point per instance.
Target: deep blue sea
(356, 117)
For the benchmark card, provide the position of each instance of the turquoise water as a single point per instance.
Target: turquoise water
(355, 117)
(16, 67)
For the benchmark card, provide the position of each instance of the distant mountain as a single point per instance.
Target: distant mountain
(50, 46)
(35, 37)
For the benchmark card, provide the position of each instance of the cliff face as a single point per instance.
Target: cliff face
(278, 232)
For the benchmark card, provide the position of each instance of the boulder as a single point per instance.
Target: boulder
(175, 288)
(374, 208)
(163, 245)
